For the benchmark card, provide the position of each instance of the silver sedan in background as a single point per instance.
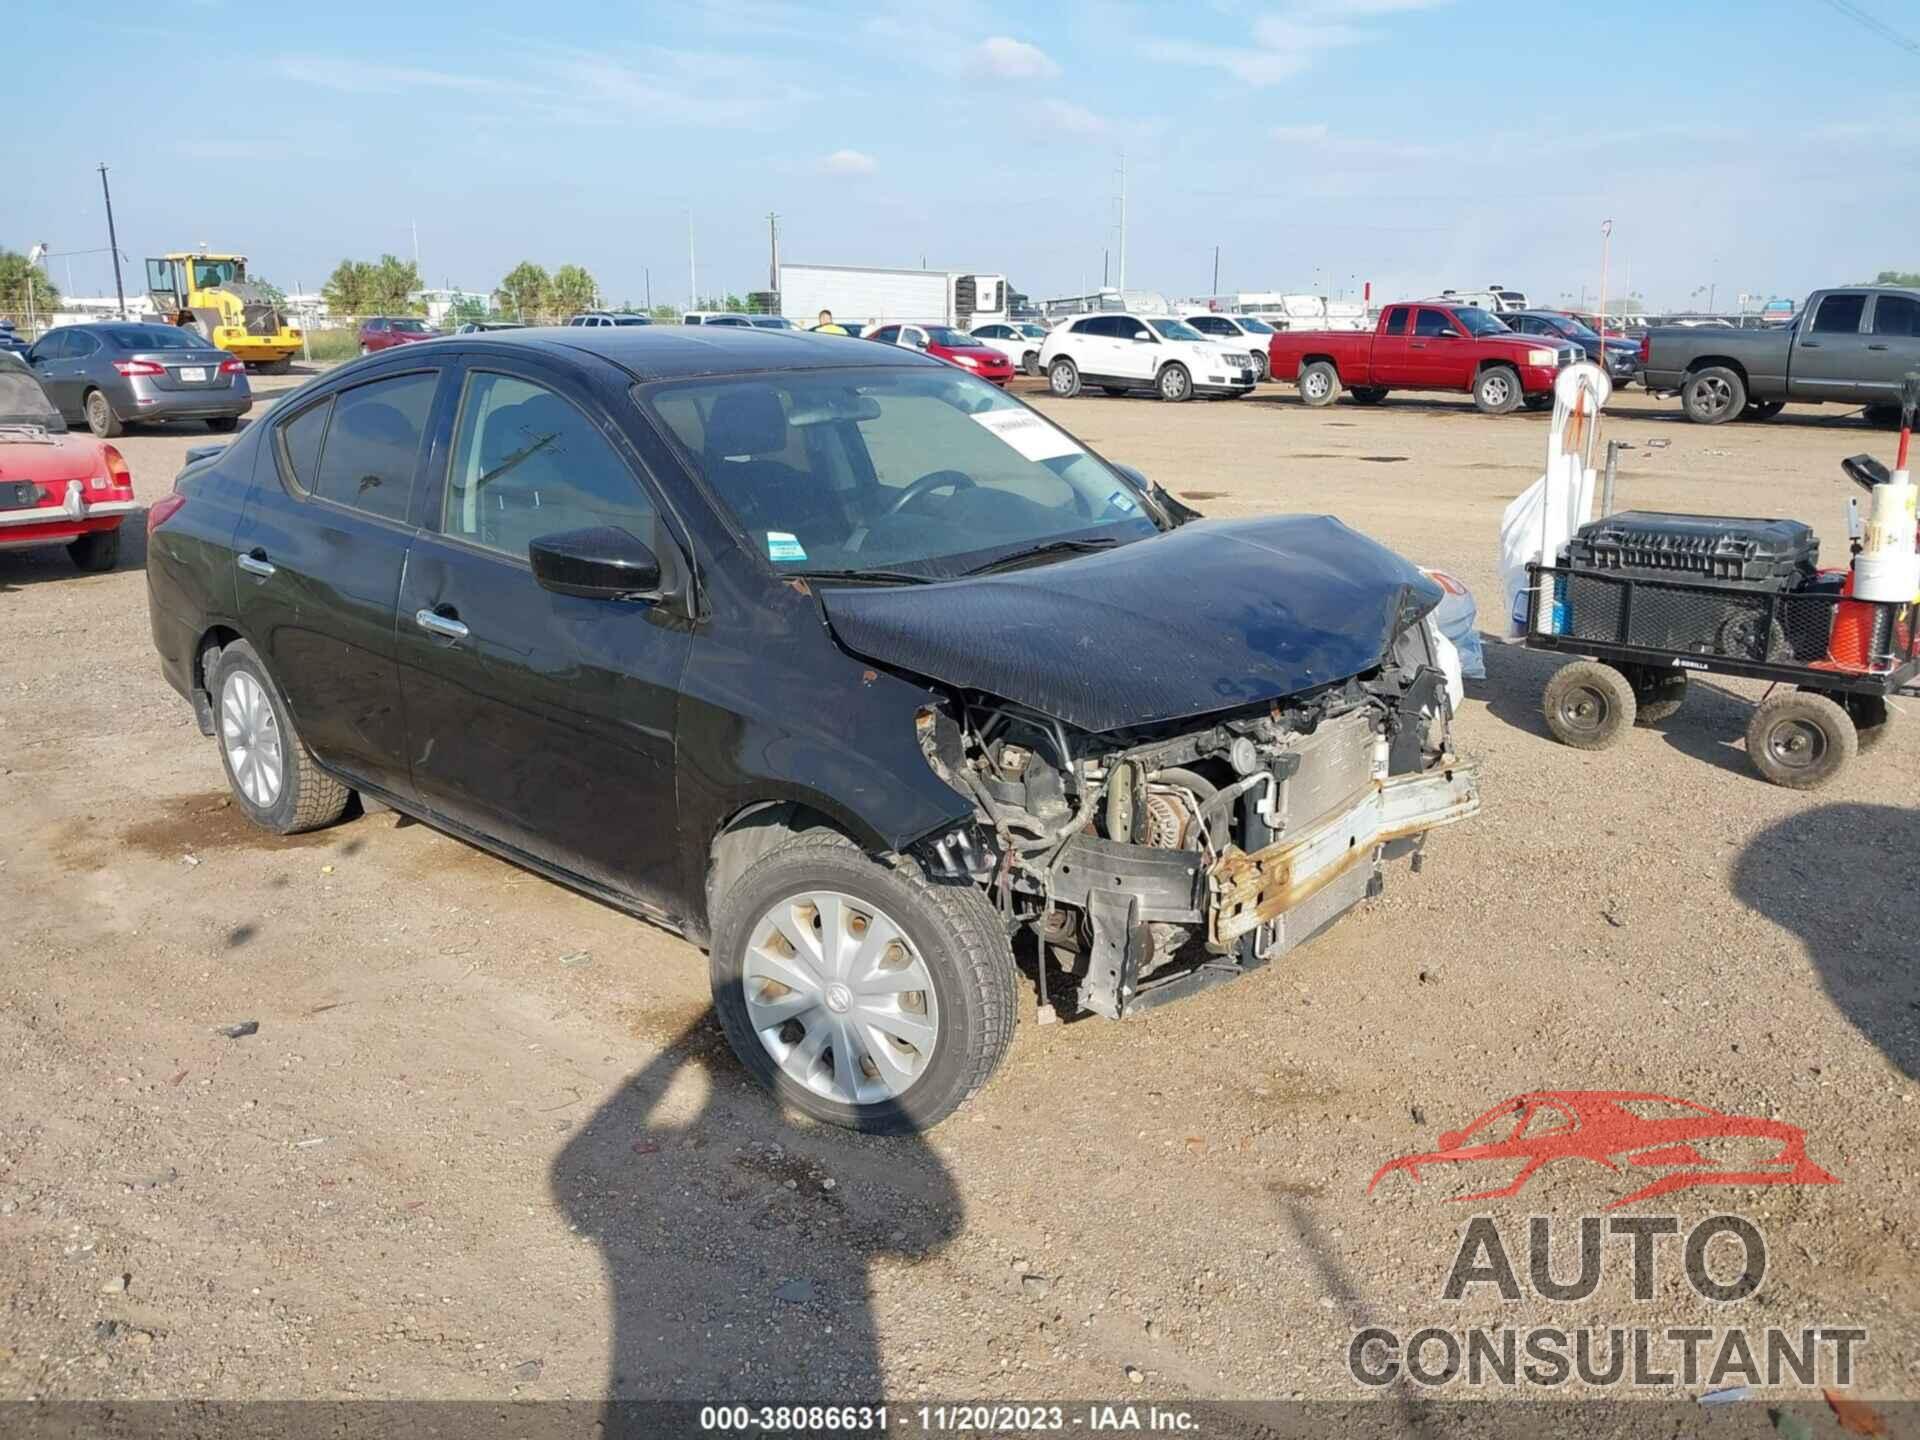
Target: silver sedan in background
(116, 374)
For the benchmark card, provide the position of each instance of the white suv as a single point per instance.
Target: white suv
(1237, 332)
(1018, 340)
(1142, 352)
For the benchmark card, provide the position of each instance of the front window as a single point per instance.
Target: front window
(1570, 327)
(891, 470)
(207, 274)
(411, 327)
(1255, 327)
(946, 335)
(1478, 321)
(1175, 330)
(1034, 332)
(23, 402)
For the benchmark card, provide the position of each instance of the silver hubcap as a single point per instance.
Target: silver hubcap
(1715, 395)
(251, 735)
(1174, 382)
(1062, 379)
(840, 998)
(1315, 385)
(1496, 389)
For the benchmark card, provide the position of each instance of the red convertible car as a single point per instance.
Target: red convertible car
(1615, 1128)
(56, 488)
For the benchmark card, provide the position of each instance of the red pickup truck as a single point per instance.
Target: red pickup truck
(1423, 345)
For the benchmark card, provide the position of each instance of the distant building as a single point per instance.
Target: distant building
(84, 309)
(442, 303)
(1139, 302)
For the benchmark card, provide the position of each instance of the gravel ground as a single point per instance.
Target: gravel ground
(488, 1143)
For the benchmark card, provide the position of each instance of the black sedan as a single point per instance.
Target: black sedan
(1622, 355)
(834, 658)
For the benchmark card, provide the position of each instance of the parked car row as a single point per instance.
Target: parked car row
(112, 374)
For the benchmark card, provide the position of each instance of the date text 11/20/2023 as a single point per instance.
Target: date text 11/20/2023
(945, 1419)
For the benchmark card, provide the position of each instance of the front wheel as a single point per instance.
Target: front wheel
(1368, 394)
(861, 993)
(1800, 739)
(1497, 390)
(1175, 383)
(275, 781)
(1262, 367)
(1063, 378)
(1713, 396)
(100, 417)
(1762, 409)
(1589, 705)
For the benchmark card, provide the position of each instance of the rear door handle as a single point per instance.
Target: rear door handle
(1876, 347)
(255, 562)
(1810, 344)
(441, 625)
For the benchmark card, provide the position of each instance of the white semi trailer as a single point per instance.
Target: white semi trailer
(869, 295)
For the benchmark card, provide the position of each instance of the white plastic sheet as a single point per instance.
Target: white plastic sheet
(1543, 517)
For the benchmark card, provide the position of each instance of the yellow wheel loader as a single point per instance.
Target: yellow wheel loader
(211, 294)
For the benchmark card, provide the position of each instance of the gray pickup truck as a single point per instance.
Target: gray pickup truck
(1850, 346)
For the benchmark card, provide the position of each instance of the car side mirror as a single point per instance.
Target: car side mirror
(1448, 335)
(602, 562)
(1142, 337)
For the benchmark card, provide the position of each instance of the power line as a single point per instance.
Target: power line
(1879, 27)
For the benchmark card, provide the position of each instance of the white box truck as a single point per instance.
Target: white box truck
(869, 295)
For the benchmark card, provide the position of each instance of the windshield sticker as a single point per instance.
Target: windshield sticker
(1027, 433)
(1120, 500)
(782, 546)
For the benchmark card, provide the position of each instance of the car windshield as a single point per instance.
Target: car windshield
(1033, 332)
(23, 402)
(1253, 326)
(1572, 328)
(1478, 321)
(631, 320)
(154, 337)
(1176, 330)
(946, 335)
(411, 327)
(895, 469)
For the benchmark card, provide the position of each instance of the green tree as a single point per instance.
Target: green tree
(523, 293)
(570, 291)
(467, 307)
(14, 272)
(393, 280)
(664, 312)
(1909, 278)
(730, 303)
(349, 290)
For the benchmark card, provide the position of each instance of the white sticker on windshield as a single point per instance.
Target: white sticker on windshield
(782, 546)
(1027, 433)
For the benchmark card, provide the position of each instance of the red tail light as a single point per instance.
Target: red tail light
(162, 510)
(139, 367)
(118, 475)
(232, 367)
(1646, 348)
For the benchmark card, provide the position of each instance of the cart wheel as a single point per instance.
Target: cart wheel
(1589, 705)
(1871, 718)
(1657, 694)
(1801, 740)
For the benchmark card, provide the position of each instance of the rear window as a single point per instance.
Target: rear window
(154, 337)
(373, 444)
(1395, 321)
(1896, 315)
(300, 443)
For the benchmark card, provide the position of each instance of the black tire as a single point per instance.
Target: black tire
(1174, 383)
(1800, 739)
(1657, 694)
(223, 424)
(1262, 367)
(1496, 390)
(1063, 378)
(1713, 396)
(1319, 384)
(282, 366)
(1872, 718)
(97, 551)
(1762, 409)
(1542, 401)
(1589, 706)
(1882, 417)
(100, 417)
(956, 932)
(308, 797)
(1368, 394)
(1030, 363)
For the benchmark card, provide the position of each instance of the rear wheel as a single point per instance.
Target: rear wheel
(97, 551)
(275, 781)
(223, 424)
(1886, 417)
(1497, 390)
(1871, 718)
(1368, 394)
(1542, 401)
(100, 417)
(1030, 362)
(1762, 409)
(1174, 383)
(276, 367)
(1713, 396)
(1657, 694)
(1063, 378)
(1319, 384)
(1800, 739)
(861, 993)
(1589, 705)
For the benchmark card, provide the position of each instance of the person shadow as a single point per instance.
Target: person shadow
(1835, 876)
(740, 1247)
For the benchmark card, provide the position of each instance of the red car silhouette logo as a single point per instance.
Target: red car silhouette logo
(1617, 1128)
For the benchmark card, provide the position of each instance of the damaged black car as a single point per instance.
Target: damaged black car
(833, 658)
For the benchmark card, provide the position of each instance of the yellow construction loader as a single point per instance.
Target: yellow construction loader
(210, 293)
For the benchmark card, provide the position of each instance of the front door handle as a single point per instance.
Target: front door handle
(444, 626)
(255, 562)
(1876, 347)
(1810, 344)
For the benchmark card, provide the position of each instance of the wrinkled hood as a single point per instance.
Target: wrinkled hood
(1213, 616)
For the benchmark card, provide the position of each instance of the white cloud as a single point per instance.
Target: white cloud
(1284, 42)
(848, 162)
(1074, 119)
(1295, 134)
(1012, 59)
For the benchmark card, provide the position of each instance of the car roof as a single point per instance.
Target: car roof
(666, 352)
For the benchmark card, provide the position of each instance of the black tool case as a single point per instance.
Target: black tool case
(1720, 549)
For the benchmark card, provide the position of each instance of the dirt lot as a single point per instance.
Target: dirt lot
(487, 1141)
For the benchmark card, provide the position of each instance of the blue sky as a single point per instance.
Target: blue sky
(1770, 146)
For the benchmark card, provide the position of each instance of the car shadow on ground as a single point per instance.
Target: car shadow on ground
(40, 564)
(1833, 876)
(738, 1245)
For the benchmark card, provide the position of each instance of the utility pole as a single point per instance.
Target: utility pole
(34, 257)
(693, 274)
(1215, 292)
(773, 251)
(113, 245)
(1123, 220)
(647, 271)
(1606, 239)
(1103, 269)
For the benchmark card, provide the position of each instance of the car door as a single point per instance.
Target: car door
(1390, 342)
(1893, 344)
(1830, 355)
(48, 357)
(541, 720)
(320, 549)
(1436, 358)
(1136, 349)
